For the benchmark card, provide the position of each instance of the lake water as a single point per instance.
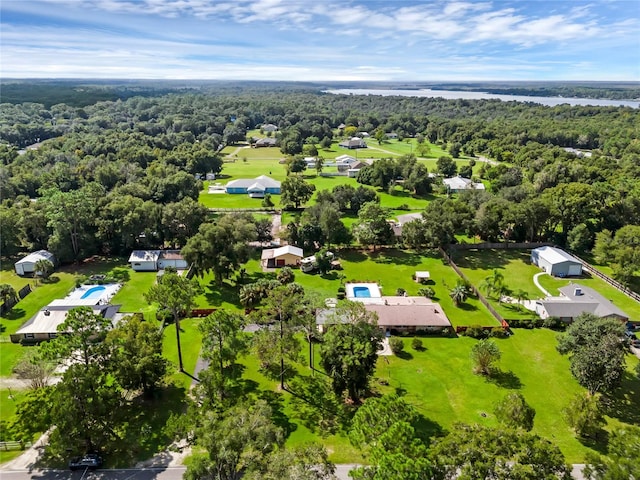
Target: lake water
(464, 95)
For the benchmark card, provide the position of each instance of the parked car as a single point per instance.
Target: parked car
(90, 461)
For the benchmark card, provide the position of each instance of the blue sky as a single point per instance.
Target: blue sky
(321, 40)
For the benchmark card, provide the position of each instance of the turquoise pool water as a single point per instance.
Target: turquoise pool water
(361, 292)
(93, 292)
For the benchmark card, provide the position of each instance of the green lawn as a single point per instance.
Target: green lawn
(130, 295)
(439, 382)
(514, 265)
(9, 400)
(190, 341)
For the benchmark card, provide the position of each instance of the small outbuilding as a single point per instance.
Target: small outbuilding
(281, 257)
(27, 265)
(556, 262)
(154, 260)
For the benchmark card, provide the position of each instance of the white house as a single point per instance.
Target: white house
(27, 264)
(154, 260)
(353, 142)
(459, 184)
(556, 262)
(287, 255)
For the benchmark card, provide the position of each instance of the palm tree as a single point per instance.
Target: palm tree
(43, 268)
(521, 296)
(458, 294)
(8, 293)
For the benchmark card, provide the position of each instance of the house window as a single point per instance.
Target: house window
(29, 335)
(53, 335)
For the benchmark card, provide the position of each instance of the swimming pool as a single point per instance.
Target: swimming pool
(93, 292)
(364, 292)
(99, 293)
(361, 292)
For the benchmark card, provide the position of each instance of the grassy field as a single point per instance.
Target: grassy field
(439, 382)
(9, 400)
(245, 162)
(515, 267)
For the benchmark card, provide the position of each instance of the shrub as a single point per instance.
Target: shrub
(427, 292)
(341, 295)
(498, 332)
(396, 345)
(416, 344)
(475, 331)
(404, 206)
(400, 292)
(554, 323)
(341, 289)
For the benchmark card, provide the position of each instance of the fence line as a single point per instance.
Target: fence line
(483, 300)
(241, 210)
(497, 246)
(591, 269)
(14, 445)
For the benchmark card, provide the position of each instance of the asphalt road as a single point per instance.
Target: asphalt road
(170, 473)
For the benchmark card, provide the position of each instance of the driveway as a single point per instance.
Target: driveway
(535, 280)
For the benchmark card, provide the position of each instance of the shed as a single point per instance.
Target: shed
(556, 262)
(281, 257)
(144, 260)
(27, 264)
(172, 258)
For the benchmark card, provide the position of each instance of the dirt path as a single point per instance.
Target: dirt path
(276, 225)
(236, 151)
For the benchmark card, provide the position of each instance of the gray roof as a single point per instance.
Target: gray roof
(605, 307)
(262, 180)
(144, 256)
(49, 318)
(555, 255)
(35, 256)
(561, 307)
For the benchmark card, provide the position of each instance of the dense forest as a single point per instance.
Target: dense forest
(126, 170)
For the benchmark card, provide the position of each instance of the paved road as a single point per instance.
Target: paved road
(171, 473)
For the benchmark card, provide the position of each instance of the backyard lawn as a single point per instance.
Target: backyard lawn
(390, 268)
(439, 382)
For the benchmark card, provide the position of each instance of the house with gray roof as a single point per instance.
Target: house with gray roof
(255, 187)
(577, 299)
(460, 184)
(44, 324)
(265, 142)
(353, 142)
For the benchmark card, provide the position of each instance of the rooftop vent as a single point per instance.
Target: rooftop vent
(577, 292)
(47, 312)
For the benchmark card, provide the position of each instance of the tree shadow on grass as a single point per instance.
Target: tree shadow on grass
(404, 355)
(217, 294)
(623, 403)
(426, 429)
(50, 280)
(354, 256)
(598, 442)
(276, 401)
(482, 259)
(15, 313)
(467, 307)
(395, 257)
(505, 379)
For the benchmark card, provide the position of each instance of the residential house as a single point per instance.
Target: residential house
(577, 299)
(269, 127)
(391, 135)
(460, 184)
(27, 265)
(154, 260)
(354, 168)
(285, 256)
(255, 187)
(354, 142)
(556, 262)
(43, 325)
(397, 314)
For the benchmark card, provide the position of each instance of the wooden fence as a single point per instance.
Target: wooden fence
(497, 246)
(12, 445)
(9, 304)
(481, 297)
(594, 271)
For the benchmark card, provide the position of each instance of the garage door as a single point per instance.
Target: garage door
(575, 270)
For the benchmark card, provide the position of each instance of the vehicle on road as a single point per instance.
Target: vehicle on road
(89, 461)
